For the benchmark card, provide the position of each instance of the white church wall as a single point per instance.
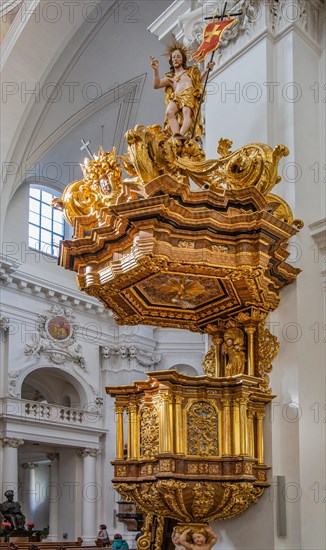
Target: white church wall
(236, 101)
(179, 347)
(248, 100)
(293, 70)
(71, 491)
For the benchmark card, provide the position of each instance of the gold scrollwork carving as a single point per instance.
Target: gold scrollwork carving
(237, 498)
(267, 349)
(170, 498)
(186, 244)
(102, 187)
(203, 500)
(149, 431)
(209, 362)
(202, 429)
(120, 471)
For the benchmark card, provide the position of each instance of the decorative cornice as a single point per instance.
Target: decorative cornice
(165, 26)
(12, 278)
(258, 18)
(132, 355)
(318, 233)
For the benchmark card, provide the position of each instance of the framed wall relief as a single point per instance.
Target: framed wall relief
(56, 335)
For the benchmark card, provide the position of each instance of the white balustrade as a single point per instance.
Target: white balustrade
(49, 413)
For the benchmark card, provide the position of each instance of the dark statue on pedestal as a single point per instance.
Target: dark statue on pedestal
(11, 512)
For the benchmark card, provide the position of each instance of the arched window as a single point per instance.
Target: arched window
(46, 226)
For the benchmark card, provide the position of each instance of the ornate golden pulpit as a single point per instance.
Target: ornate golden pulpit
(157, 250)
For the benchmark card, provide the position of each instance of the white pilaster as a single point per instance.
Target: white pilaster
(29, 490)
(90, 495)
(10, 463)
(53, 497)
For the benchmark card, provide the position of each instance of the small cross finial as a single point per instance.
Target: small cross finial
(224, 14)
(86, 146)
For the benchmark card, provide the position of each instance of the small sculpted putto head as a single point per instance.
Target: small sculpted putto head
(199, 539)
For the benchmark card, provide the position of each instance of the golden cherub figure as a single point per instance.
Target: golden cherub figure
(199, 540)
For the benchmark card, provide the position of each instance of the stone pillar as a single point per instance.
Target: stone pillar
(10, 463)
(29, 500)
(90, 495)
(54, 496)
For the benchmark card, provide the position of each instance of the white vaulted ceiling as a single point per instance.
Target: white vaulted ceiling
(68, 75)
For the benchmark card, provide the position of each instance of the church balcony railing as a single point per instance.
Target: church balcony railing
(34, 411)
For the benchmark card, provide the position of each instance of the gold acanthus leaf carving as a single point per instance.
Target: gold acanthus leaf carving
(163, 498)
(102, 187)
(255, 164)
(209, 362)
(149, 431)
(237, 498)
(267, 349)
(159, 532)
(255, 316)
(283, 211)
(203, 500)
(170, 498)
(202, 429)
(152, 153)
(144, 542)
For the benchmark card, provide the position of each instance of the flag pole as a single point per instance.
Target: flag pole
(202, 97)
(221, 17)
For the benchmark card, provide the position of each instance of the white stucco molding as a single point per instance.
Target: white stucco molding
(12, 278)
(55, 337)
(4, 323)
(129, 357)
(165, 26)
(318, 233)
(275, 18)
(87, 393)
